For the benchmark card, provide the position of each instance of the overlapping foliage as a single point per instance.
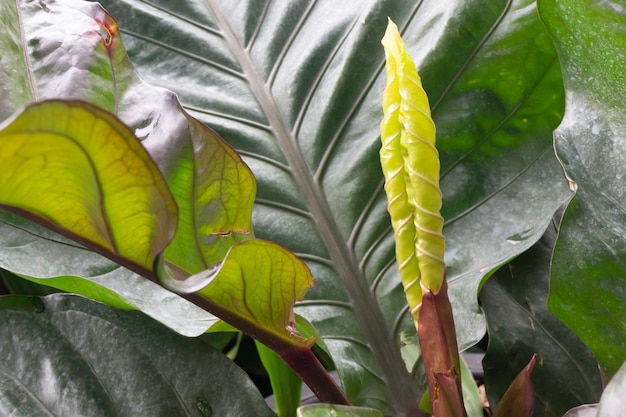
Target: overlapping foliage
(295, 87)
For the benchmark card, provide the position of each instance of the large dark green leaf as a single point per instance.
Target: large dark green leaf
(588, 284)
(296, 87)
(64, 355)
(514, 300)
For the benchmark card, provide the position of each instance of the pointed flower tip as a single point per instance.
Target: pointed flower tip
(531, 365)
(392, 41)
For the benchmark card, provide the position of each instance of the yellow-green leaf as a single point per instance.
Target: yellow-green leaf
(214, 190)
(258, 283)
(253, 289)
(78, 170)
(410, 164)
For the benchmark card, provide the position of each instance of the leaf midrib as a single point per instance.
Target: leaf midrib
(27, 61)
(365, 306)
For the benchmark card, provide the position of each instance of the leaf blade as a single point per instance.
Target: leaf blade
(520, 325)
(94, 181)
(91, 347)
(256, 287)
(591, 230)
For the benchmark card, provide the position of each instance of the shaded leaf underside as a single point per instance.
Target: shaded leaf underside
(91, 178)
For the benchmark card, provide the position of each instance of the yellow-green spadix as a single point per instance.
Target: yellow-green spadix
(410, 165)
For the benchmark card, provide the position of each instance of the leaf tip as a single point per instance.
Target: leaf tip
(392, 41)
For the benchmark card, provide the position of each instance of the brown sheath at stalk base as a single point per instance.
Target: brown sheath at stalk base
(440, 353)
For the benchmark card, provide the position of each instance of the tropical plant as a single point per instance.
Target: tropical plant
(295, 88)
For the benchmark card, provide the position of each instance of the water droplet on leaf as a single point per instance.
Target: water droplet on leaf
(519, 237)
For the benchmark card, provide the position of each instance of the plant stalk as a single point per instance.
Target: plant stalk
(314, 375)
(301, 359)
(437, 337)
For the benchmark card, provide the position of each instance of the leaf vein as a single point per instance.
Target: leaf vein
(471, 57)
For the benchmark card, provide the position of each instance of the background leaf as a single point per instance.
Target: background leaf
(65, 355)
(296, 88)
(514, 300)
(588, 267)
(471, 396)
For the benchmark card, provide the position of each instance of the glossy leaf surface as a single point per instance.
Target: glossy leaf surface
(514, 300)
(73, 50)
(65, 355)
(296, 87)
(80, 171)
(588, 267)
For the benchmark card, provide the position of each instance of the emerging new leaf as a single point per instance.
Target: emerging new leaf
(410, 164)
